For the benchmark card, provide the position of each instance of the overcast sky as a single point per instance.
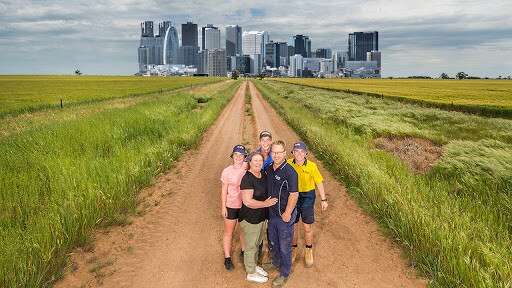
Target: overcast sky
(415, 37)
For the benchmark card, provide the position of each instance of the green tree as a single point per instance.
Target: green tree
(444, 76)
(461, 75)
(235, 74)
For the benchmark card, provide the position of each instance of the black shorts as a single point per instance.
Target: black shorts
(233, 213)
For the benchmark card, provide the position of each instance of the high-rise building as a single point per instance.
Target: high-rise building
(276, 54)
(171, 43)
(157, 49)
(253, 44)
(302, 45)
(217, 62)
(211, 38)
(187, 55)
(203, 30)
(323, 53)
(189, 34)
(242, 63)
(162, 28)
(202, 62)
(146, 29)
(374, 56)
(296, 65)
(361, 42)
(233, 40)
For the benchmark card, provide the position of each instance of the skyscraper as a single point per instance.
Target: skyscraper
(276, 54)
(361, 42)
(217, 62)
(203, 30)
(323, 53)
(171, 43)
(233, 40)
(302, 45)
(162, 28)
(189, 34)
(253, 44)
(374, 56)
(211, 38)
(146, 29)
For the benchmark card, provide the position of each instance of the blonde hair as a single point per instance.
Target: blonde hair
(279, 142)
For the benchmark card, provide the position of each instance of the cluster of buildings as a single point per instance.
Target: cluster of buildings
(251, 53)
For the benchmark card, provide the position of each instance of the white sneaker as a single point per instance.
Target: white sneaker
(261, 271)
(256, 277)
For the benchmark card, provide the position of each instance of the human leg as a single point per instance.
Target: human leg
(253, 237)
(285, 236)
(229, 228)
(274, 240)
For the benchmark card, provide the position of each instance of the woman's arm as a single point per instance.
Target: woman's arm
(255, 204)
(223, 198)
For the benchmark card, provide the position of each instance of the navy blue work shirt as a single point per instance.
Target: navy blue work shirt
(280, 183)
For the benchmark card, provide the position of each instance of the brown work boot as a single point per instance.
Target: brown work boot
(295, 251)
(309, 257)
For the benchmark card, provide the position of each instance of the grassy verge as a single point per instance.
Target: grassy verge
(59, 181)
(482, 97)
(455, 223)
(33, 93)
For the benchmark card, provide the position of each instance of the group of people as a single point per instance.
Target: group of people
(266, 188)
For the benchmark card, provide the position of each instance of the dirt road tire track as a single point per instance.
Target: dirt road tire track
(179, 242)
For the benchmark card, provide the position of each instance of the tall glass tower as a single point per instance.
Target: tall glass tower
(361, 42)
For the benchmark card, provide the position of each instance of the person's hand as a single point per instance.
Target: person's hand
(286, 217)
(324, 205)
(270, 202)
(224, 212)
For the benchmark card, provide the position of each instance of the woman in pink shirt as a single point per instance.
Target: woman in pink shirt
(231, 200)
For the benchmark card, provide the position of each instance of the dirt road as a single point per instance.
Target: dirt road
(178, 242)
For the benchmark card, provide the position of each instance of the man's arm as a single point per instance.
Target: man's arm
(292, 201)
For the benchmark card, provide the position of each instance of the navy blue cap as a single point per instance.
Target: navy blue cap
(265, 134)
(300, 145)
(238, 149)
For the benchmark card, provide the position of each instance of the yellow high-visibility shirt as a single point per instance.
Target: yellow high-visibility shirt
(309, 175)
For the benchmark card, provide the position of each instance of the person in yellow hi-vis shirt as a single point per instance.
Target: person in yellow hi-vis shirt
(309, 177)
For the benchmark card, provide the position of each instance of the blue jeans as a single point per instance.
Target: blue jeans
(281, 235)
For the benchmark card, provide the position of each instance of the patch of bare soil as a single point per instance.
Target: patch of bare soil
(177, 240)
(418, 153)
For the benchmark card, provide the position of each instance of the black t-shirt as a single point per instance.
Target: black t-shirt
(259, 186)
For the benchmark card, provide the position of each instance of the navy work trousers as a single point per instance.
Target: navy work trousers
(281, 235)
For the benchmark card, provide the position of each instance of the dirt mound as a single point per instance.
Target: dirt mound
(418, 153)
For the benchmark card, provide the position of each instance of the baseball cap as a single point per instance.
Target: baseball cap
(300, 145)
(265, 134)
(238, 149)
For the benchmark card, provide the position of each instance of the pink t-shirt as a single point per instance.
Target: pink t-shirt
(233, 177)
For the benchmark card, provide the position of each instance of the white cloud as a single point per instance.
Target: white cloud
(416, 37)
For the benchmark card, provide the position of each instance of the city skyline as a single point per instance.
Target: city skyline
(52, 37)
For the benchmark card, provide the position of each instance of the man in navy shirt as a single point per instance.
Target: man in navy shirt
(282, 183)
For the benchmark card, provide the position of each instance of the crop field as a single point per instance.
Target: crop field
(64, 173)
(32, 93)
(454, 222)
(488, 97)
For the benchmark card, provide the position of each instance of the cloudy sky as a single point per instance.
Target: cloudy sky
(415, 37)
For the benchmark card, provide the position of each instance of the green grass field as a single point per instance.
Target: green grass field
(455, 223)
(32, 93)
(84, 166)
(489, 97)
